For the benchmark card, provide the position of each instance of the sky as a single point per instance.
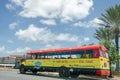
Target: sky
(44, 24)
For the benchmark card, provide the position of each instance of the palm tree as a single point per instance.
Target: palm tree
(103, 34)
(112, 19)
(105, 38)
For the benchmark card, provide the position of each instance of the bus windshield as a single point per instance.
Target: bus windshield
(104, 54)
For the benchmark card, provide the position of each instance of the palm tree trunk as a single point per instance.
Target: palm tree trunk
(117, 47)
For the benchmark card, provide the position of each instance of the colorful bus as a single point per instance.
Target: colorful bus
(92, 59)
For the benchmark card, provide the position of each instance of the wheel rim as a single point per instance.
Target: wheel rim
(63, 72)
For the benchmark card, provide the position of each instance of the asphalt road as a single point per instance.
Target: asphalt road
(15, 75)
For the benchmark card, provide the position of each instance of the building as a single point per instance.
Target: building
(9, 59)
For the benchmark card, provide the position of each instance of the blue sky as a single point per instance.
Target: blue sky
(42, 24)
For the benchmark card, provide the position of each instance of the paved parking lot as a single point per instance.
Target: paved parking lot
(13, 74)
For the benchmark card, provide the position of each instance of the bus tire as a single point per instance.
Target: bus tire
(64, 72)
(22, 69)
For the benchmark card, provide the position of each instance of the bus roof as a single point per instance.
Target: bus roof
(99, 46)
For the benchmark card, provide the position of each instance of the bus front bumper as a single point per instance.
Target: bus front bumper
(103, 72)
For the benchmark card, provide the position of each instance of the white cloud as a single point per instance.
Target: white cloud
(2, 48)
(41, 8)
(92, 23)
(13, 25)
(18, 2)
(18, 50)
(9, 6)
(43, 34)
(48, 22)
(86, 38)
(66, 37)
(64, 10)
(10, 41)
(35, 34)
(75, 9)
(48, 46)
(96, 21)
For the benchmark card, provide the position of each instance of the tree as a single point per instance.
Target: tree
(102, 34)
(112, 19)
(113, 56)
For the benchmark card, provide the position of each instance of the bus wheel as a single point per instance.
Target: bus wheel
(34, 71)
(22, 69)
(64, 72)
(74, 75)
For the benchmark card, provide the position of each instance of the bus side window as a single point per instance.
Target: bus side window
(95, 53)
(42, 56)
(39, 56)
(78, 54)
(34, 56)
(28, 56)
(54, 55)
(64, 55)
(89, 53)
(50, 56)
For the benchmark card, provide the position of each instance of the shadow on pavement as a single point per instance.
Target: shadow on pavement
(56, 76)
(81, 78)
(43, 75)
